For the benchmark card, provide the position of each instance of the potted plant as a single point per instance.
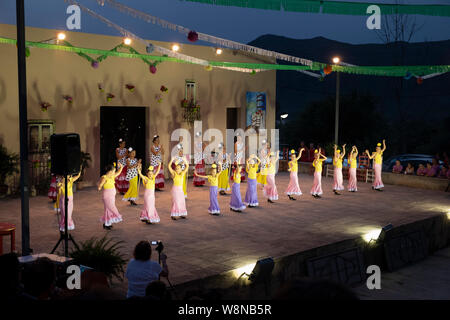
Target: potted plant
(101, 254)
(8, 166)
(85, 163)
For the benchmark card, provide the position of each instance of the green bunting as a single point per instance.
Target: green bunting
(390, 71)
(332, 7)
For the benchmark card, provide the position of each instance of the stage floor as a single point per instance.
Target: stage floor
(204, 245)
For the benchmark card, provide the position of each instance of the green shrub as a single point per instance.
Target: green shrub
(102, 255)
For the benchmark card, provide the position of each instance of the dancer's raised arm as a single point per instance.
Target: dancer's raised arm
(299, 154)
(120, 170)
(384, 145)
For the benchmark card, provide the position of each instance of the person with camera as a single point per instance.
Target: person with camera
(141, 270)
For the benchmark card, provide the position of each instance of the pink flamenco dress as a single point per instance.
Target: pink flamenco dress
(178, 199)
(293, 187)
(149, 213)
(111, 214)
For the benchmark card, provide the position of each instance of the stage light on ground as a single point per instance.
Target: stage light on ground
(284, 116)
(372, 235)
(244, 271)
(448, 214)
(262, 271)
(336, 60)
(61, 36)
(175, 47)
(127, 41)
(219, 51)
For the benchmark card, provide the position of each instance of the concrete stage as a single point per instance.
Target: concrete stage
(204, 245)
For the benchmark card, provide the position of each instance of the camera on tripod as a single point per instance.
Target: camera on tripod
(159, 245)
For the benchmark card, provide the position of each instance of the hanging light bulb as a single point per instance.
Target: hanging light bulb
(127, 41)
(61, 36)
(219, 51)
(175, 47)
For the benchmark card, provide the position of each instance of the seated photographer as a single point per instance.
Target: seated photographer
(141, 270)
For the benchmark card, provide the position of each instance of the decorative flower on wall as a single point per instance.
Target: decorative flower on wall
(45, 106)
(163, 89)
(192, 36)
(110, 96)
(68, 98)
(158, 98)
(100, 87)
(129, 87)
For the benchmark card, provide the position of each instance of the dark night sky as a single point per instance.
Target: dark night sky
(239, 24)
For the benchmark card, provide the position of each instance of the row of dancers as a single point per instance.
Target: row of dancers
(259, 171)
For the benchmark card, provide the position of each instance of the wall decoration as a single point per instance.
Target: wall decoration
(45, 106)
(95, 64)
(110, 96)
(129, 87)
(192, 36)
(256, 110)
(158, 98)
(100, 87)
(68, 98)
(163, 89)
(152, 69)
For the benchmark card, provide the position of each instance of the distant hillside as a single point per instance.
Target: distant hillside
(295, 90)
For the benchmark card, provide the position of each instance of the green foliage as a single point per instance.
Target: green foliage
(8, 164)
(102, 255)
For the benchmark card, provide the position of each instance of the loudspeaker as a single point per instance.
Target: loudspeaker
(65, 153)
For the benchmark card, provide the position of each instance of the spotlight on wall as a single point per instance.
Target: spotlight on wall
(61, 36)
(377, 234)
(372, 235)
(256, 272)
(219, 51)
(263, 270)
(448, 214)
(284, 116)
(127, 41)
(244, 271)
(175, 47)
(336, 60)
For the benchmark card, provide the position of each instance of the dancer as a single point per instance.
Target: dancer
(293, 187)
(110, 214)
(132, 176)
(179, 159)
(213, 179)
(199, 159)
(319, 158)
(262, 175)
(270, 189)
(156, 157)
(239, 156)
(251, 195)
(337, 172)
(378, 162)
(52, 191)
(58, 194)
(62, 207)
(352, 180)
(122, 154)
(224, 183)
(236, 200)
(178, 200)
(149, 214)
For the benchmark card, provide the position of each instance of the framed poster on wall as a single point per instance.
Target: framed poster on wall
(256, 110)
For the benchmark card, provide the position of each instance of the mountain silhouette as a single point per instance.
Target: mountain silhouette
(296, 90)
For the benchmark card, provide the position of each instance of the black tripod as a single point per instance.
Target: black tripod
(160, 248)
(66, 236)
